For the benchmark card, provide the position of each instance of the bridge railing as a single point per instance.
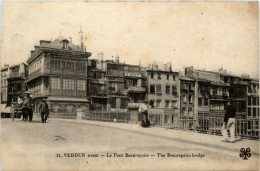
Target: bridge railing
(108, 116)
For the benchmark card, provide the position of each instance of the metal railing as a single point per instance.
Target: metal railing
(109, 116)
(245, 128)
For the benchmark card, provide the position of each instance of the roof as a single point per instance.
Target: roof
(161, 71)
(182, 77)
(96, 70)
(57, 44)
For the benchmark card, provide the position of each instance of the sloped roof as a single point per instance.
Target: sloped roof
(57, 44)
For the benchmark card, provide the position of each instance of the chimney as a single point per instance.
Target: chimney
(70, 39)
(117, 59)
(32, 52)
(36, 48)
(112, 58)
(44, 43)
(139, 62)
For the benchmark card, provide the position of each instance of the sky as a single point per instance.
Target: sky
(206, 35)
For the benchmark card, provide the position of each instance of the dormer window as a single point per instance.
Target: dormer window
(65, 44)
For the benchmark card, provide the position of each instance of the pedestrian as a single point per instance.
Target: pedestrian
(44, 110)
(143, 109)
(229, 122)
(28, 106)
(20, 103)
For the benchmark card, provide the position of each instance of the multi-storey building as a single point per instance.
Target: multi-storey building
(122, 85)
(4, 83)
(237, 92)
(16, 82)
(210, 94)
(163, 88)
(58, 71)
(253, 99)
(187, 102)
(4, 88)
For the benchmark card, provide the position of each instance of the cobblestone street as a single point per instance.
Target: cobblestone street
(51, 145)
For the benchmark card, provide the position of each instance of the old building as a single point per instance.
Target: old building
(58, 72)
(253, 99)
(4, 88)
(121, 86)
(163, 94)
(237, 92)
(210, 95)
(4, 83)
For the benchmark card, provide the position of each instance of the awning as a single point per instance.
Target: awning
(67, 99)
(5, 109)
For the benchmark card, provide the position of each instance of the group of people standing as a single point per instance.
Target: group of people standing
(27, 106)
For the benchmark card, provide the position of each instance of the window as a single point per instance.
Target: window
(152, 74)
(158, 89)
(123, 104)
(81, 66)
(151, 103)
(167, 90)
(200, 101)
(206, 101)
(167, 103)
(249, 101)
(158, 103)
(174, 104)
(68, 84)
(81, 85)
(167, 76)
(254, 112)
(190, 86)
(190, 110)
(254, 101)
(152, 89)
(159, 76)
(190, 99)
(249, 112)
(184, 98)
(55, 83)
(183, 110)
(173, 77)
(113, 102)
(174, 90)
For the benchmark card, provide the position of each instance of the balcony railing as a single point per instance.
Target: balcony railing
(132, 74)
(136, 88)
(134, 105)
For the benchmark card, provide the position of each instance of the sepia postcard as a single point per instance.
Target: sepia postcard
(129, 85)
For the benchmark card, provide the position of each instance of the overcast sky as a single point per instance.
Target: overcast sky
(206, 35)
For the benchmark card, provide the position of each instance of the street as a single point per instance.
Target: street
(59, 145)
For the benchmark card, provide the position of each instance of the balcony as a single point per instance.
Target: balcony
(134, 105)
(218, 97)
(253, 92)
(135, 89)
(132, 74)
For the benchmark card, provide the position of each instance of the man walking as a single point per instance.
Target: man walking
(143, 109)
(44, 110)
(28, 106)
(229, 122)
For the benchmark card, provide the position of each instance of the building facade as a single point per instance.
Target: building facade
(4, 83)
(58, 72)
(163, 88)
